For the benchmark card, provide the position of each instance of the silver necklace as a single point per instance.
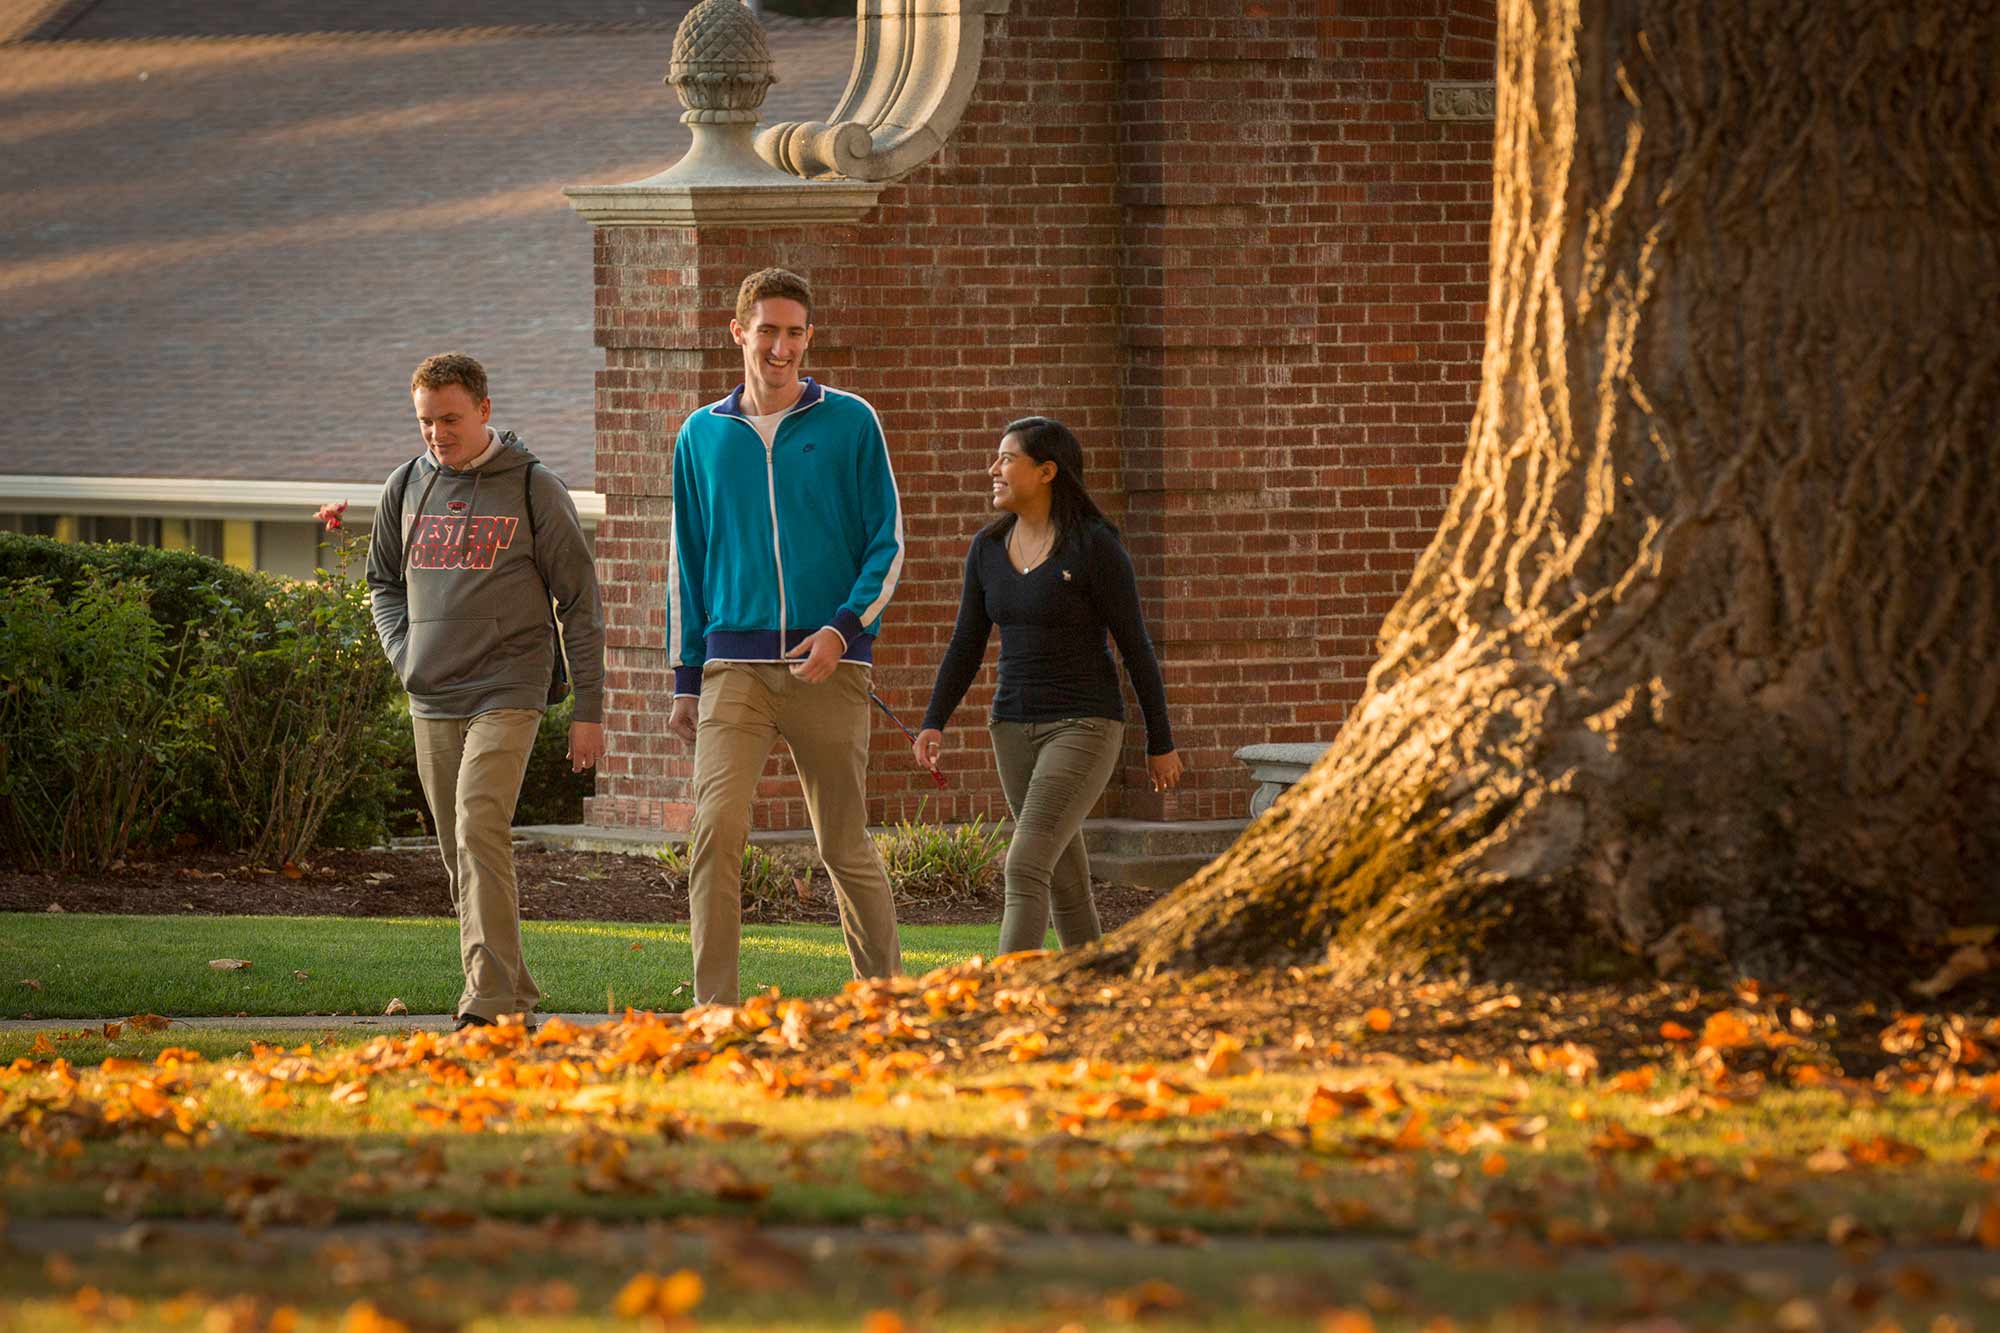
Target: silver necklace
(1021, 560)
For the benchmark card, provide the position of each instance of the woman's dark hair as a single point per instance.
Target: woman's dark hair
(1070, 507)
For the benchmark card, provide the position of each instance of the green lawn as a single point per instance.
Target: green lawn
(107, 966)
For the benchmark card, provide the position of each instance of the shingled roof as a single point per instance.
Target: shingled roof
(226, 239)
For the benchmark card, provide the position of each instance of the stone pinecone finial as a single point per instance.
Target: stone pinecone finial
(721, 66)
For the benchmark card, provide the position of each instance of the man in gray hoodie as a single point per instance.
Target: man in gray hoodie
(473, 541)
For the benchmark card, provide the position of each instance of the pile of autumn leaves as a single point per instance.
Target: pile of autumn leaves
(876, 1035)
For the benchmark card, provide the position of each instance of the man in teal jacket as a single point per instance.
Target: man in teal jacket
(787, 545)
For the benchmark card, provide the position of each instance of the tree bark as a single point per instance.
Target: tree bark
(1704, 659)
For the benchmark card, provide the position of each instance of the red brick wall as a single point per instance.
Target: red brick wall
(1226, 246)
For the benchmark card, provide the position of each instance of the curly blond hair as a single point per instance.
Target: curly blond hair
(768, 282)
(449, 368)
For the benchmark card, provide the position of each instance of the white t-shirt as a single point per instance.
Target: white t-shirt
(492, 448)
(767, 426)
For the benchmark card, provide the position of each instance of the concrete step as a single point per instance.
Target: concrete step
(1146, 872)
(1160, 838)
(1151, 854)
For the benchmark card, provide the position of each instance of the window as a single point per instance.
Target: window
(118, 528)
(33, 525)
(201, 535)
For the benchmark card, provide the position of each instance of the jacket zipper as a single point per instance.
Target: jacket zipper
(777, 550)
(771, 490)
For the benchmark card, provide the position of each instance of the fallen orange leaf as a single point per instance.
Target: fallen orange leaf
(1883, 1151)
(636, 1297)
(1224, 1058)
(1379, 1019)
(1029, 1047)
(681, 1292)
(1724, 1031)
(1982, 1223)
(363, 1317)
(1634, 1080)
(1327, 1103)
(1147, 1299)
(1618, 1139)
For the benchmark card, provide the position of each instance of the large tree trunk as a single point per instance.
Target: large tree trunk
(1705, 656)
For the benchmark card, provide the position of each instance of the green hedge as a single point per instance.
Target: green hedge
(96, 722)
(184, 590)
(148, 696)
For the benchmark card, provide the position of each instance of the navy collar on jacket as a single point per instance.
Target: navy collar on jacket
(732, 406)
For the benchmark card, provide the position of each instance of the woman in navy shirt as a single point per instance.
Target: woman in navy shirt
(1052, 574)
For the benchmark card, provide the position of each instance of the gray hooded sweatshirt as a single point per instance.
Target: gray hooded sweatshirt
(461, 583)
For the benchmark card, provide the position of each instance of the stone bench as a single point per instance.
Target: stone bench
(1276, 766)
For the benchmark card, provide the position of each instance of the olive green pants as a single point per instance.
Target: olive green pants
(746, 707)
(471, 769)
(1053, 773)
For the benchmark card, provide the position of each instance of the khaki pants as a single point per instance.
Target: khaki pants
(471, 769)
(1053, 773)
(745, 708)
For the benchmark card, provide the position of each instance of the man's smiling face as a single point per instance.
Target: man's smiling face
(774, 345)
(452, 424)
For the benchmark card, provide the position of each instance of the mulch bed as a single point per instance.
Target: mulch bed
(555, 886)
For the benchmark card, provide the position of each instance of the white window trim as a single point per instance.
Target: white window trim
(194, 497)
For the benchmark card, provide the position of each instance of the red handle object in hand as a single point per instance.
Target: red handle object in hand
(936, 776)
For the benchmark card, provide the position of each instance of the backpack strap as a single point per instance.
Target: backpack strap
(399, 482)
(561, 684)
(528, 494)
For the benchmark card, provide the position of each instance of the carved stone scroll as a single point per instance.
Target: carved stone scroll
(916, 63)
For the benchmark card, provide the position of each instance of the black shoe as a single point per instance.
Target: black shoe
(471, 1021)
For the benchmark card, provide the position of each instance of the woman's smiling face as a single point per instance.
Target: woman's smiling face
(1018, 480)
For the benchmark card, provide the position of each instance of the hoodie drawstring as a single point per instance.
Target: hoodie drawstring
(471, 508)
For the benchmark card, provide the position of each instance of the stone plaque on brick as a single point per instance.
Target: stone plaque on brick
(1444, 100)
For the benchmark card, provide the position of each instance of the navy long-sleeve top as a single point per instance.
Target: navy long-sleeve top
(1054, 659)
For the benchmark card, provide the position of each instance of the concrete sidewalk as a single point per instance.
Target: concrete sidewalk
(365, 1023)
(696, 1237)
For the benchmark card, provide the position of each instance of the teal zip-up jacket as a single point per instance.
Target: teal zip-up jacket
(772, 545)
